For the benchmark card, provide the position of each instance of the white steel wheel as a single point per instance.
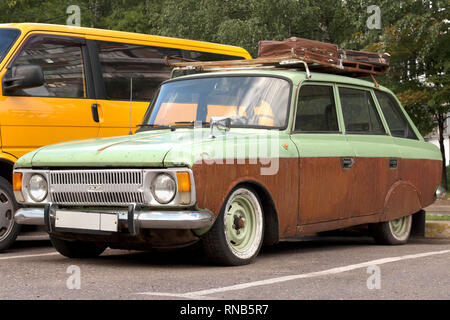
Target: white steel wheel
(237, 235)
(392, 232)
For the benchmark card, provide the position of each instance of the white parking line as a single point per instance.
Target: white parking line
(30, 256)
(180, 295)
(202, 293)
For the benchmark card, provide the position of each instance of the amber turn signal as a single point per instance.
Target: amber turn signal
(17, 181)
(184, 182)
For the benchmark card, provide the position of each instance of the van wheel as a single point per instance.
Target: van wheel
(237, 234)
(392, 232)
(9, 229)
(77, 248)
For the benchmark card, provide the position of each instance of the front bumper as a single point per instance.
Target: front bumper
(132, 219)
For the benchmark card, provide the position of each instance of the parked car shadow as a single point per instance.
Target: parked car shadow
(194, 257)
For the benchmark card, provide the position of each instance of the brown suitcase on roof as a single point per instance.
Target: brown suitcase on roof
(297, 46)
(381, 59)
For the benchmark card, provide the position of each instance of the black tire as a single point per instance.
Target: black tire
(77, 248)
(9, 229)
(236, 251)
(393, 232)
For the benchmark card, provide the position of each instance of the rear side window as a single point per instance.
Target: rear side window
(120, 62)
(316, 110)
(396, 120)
(61, 60)
(359, 111)
(145, 64)
(207, 56)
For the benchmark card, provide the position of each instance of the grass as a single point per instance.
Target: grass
(437, 217)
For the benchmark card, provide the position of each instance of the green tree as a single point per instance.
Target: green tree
(420, 46)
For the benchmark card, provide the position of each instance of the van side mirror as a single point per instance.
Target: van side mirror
(23, 77)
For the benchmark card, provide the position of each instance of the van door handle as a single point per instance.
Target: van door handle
(94, 109)
(347, 163)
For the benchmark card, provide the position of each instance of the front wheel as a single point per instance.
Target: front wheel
(237, 235)
(77, 248)
(392, 232)
(9, 229)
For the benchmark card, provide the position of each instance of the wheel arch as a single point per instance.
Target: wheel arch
(401, 200)
(6, 168)
(271, 228)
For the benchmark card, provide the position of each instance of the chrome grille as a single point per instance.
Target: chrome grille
(96, 187)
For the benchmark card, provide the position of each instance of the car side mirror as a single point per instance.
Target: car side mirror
(223, 123)
(23, 77)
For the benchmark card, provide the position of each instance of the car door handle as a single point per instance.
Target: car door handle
(94, 109)
(393, 163)
(347, 163)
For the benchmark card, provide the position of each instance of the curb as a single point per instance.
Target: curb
(437, 229)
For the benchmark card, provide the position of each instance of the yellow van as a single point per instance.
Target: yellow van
(63, 83)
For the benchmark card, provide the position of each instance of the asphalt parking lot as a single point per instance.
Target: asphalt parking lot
(316, 268)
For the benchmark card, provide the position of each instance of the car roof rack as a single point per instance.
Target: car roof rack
(295, 53)
(352, 69)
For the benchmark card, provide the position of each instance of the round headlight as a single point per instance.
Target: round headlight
(38, 187)
(164, 188)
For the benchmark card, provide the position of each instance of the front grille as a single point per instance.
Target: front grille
(96, 187)
(96, 177)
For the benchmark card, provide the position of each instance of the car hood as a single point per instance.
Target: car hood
(155, 148)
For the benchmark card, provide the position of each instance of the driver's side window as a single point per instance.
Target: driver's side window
(61, 61)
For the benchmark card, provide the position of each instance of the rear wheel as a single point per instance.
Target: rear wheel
(9, 229)
(237, 235)
(392, 232)
(77, 248)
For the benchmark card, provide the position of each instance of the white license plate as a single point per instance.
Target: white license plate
(86, 221)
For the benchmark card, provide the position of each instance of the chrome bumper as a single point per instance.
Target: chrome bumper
(141, 219)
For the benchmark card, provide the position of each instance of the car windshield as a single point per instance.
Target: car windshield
(7, 38)
(250, 101)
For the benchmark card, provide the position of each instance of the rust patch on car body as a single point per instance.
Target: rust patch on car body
(317, 194)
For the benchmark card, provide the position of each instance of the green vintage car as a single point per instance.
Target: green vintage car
(235, 160)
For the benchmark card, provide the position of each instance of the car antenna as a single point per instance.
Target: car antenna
(131, 103)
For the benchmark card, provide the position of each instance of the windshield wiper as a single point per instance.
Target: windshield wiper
(191, 123)
(155, 126)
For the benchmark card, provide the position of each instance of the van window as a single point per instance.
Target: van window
(120, 62)
(61, 60)
(207, 56)
(7, 39)
(359, 111)
(396, 120)
(145, 64)
(316, 110)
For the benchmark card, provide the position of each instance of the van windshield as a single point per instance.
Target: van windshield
(250, 101)
(7, 39)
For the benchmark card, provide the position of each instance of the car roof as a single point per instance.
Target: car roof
(204, 46)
